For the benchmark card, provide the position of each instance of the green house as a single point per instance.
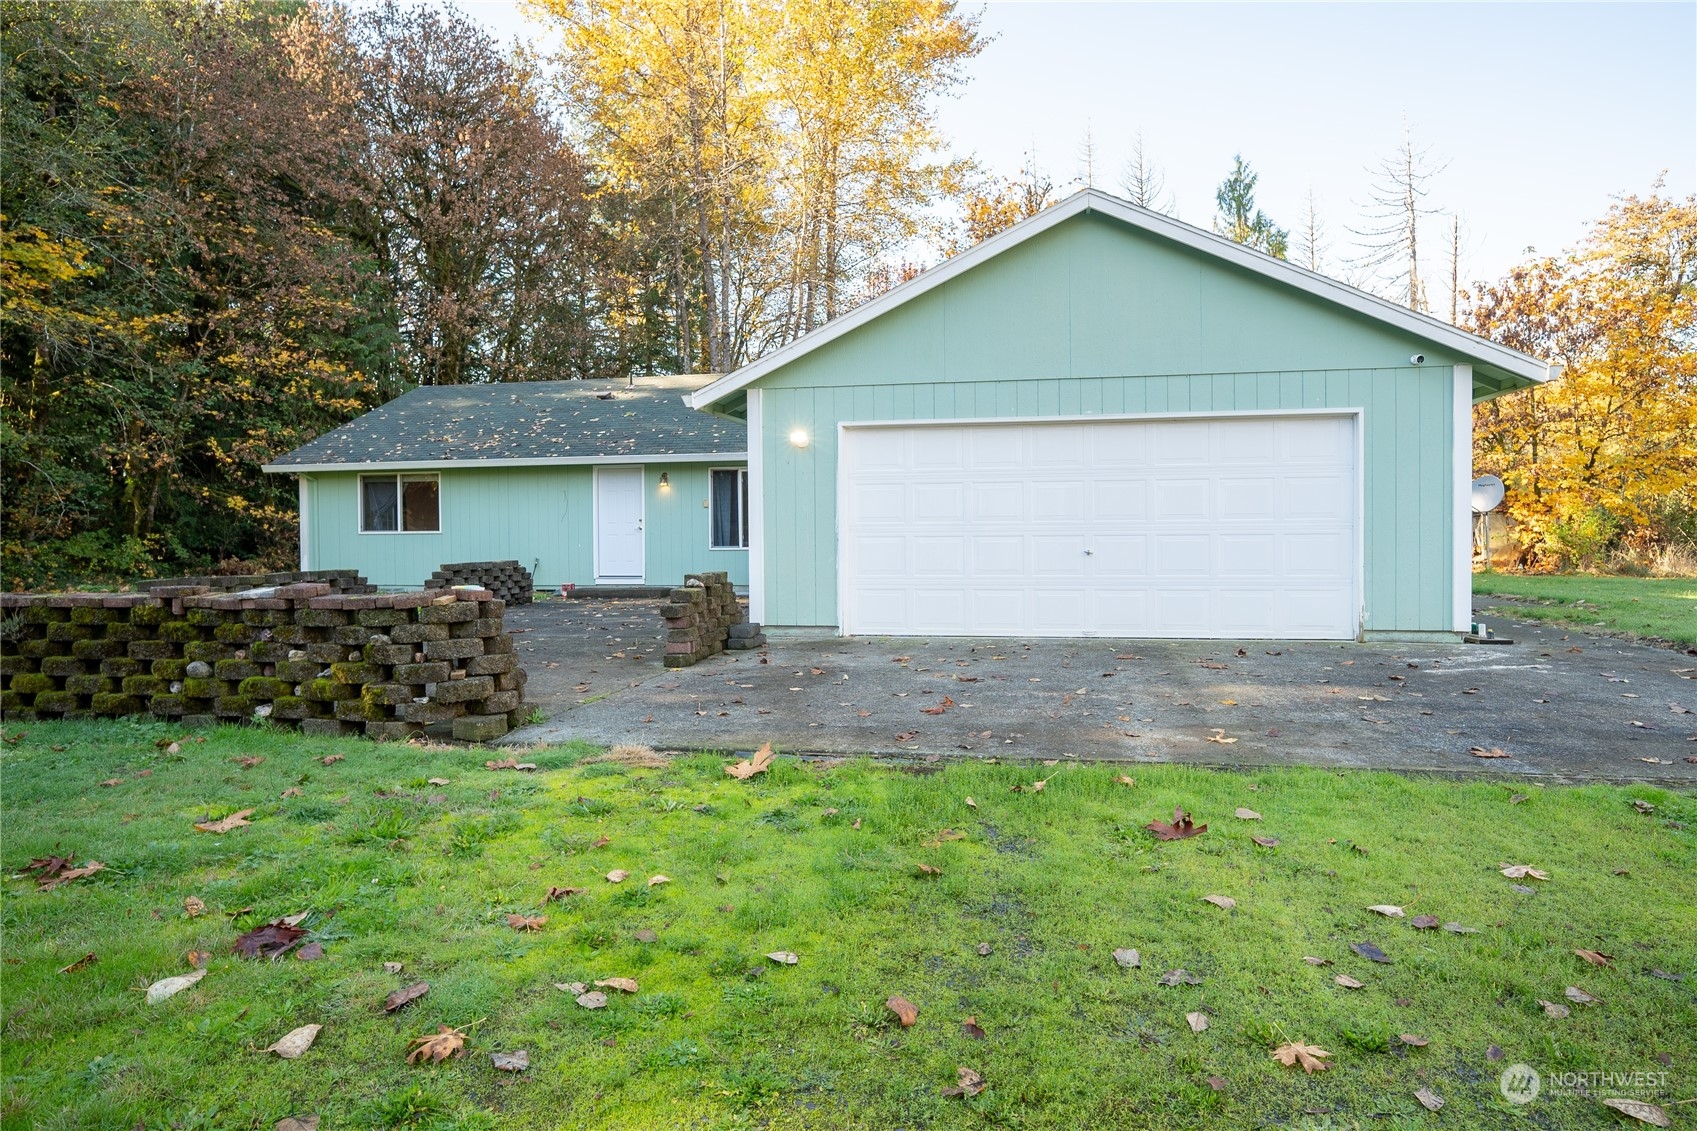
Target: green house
(1105, 422)
(582, 482)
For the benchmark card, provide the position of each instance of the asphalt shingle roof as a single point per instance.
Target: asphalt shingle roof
(525, 420)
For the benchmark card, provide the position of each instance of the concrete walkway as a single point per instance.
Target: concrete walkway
(1563, 705)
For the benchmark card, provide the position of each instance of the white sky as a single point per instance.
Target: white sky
(1542, 111)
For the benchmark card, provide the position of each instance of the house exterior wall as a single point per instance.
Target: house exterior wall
(1094, 318)
(541, 516)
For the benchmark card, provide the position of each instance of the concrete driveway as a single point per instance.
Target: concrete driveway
(1562, 705)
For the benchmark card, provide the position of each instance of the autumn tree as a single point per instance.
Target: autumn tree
(1240, 220)
(1605, 454)
(993, 204)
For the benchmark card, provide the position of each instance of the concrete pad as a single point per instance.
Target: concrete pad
(1563, 705)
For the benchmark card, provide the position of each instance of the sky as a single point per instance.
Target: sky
(1539, 113)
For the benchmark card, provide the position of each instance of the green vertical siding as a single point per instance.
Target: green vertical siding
(1094, 318)
(543, 517)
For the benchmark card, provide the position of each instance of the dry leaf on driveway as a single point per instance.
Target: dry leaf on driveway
(1181, 827)
(759, 763)
(1389, 910)
(516, 1061)
(906, 1012)
(1219, 736)
(445, 1042)
(169, 987)
(1492, 752)
(971, 1083)
(1243, 814)
(1224, 901)
(295, 1042)
(405, 994)
(1524, 871)
(1641, 1110)
(1294, 1053)
(1128, 957)
(1595, 957)
(1198, 1021)
(224, 825)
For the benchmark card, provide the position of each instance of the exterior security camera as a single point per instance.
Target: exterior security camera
(1418, 359)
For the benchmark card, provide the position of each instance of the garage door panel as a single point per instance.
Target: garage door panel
(1206, 528)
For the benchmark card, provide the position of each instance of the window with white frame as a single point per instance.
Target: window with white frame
(728, 493)
(400, 504)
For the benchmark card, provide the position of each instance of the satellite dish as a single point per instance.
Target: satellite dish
(1487, 494)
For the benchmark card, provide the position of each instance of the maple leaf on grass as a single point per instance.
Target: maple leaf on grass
(446, 1042)
(1595, 957)
(404, 995)
(627, 985)
(557, 893)
(1524, 872)
(970, 1083)
(50, 879)
(527, 922)
(224, 825)
(1294, 1054)
(1181, 827)
(270, 941)
(758, 763)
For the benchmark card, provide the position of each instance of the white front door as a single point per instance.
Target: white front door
(1225, 527)
(619, 547)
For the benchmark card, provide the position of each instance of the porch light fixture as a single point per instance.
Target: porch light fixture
(799, 437)
(665, 481)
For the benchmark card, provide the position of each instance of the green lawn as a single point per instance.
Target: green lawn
(821, 860)
(1663, 607)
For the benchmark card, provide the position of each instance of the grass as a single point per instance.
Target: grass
(394, 868)
(1661, 607)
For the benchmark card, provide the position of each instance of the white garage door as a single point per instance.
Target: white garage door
(1224, 528)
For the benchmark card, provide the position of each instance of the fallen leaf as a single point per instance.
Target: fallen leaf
(628, 985)
(971, 1083)
(573, 988)
(1423, 922)
(1580, 997)
(1294, 1053)
(1644, 807)
(1312, 961)
(168, 987)
(247, 762)
(1348, 983)
(1493, 752)
(332, 759)
(929, 870)
(1370, 952)
(311, 952)
(297, 1123)
(594, 999)
(233, 821)
(1641, 1110)
(1128, 957)
(1218, 1083)
(1594, 957)
(437, 781)
(1243, 814)
(1181, 975)
(784, 957)
(1124, 780)
(294, 791)
(445, 1042)
(906, 1012)
(1224, 901)
(1493, 1053)
(193, 907)
(109, 782)
(647, 936)
(296, 1041)
(758, 764)
(1554, 1009)
(984, 950)
(392, 967)
(1458, 929)
(656, 880)
(516, 1061)
(1516, 798)
(970, 1028)
(198, 958)
(1523, 871)
(82, 963)
(617, 876)
(1411, 1039)
(602, 842)
(1181, 827)
(557, 893)
(1389, 910)
(527, 922)
(404, 995)
(270, 941)
(971, 804)
(1198, 1021)
(1219, 736)
(1429, 1099)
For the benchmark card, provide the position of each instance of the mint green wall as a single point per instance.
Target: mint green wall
(541, 516)
(1092, 317)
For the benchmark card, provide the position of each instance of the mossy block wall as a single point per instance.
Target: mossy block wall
(438, 663)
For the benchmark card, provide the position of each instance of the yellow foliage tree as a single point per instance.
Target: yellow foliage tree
(1606, 453)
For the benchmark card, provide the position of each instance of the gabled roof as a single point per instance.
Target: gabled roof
(1508, 367)
(525, 423)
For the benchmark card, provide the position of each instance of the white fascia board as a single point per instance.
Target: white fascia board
(1423, 326)
(479, 464)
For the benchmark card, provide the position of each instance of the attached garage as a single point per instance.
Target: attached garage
(1107, 423)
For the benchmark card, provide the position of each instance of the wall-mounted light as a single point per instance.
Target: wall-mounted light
(799, 437)
(665, 481)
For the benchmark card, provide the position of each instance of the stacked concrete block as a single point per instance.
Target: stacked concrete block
(388, 666)
(509, 581)
(700, 618)
(339, 581)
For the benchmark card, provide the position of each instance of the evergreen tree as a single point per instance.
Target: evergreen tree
(1240, 220)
